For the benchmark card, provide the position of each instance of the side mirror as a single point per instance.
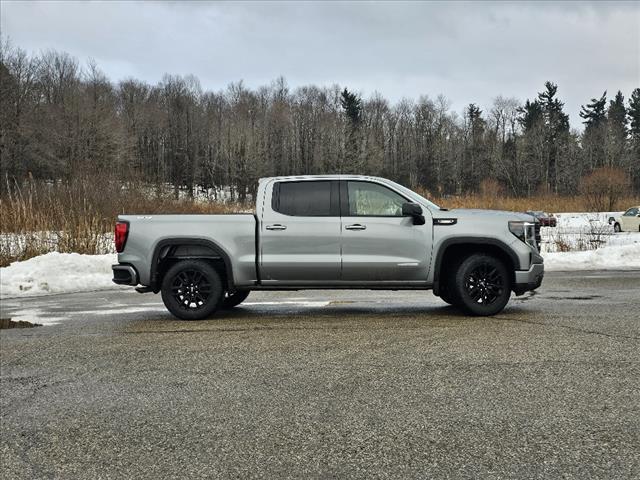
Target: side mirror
(413, 210)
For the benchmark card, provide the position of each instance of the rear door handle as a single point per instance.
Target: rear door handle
(276, 226)
(356, 226)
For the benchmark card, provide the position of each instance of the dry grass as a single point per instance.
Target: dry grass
(79, 216)
(548, 203)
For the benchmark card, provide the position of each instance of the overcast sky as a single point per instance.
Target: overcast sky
(470, 52)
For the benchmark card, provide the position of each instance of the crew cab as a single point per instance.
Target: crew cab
(330, 232)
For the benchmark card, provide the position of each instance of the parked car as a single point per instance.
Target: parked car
(545, 219)
(629, 221)
(337, 231)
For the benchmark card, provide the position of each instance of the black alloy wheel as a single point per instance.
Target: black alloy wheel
(484, 284)
(192, 290)
(481, 285)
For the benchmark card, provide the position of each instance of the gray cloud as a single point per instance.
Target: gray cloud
(470, 52)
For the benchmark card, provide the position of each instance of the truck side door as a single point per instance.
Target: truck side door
(300, 233)
(378, 243)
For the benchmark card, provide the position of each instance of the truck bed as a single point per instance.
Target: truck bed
(235, 234)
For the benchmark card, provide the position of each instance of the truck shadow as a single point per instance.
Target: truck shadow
(327, 317)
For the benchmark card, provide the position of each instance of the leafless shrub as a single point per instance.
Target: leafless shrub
(561, 243)
(597, 233)
(604, 187)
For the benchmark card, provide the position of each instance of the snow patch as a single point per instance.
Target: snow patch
(615, 257)
(36, 316)
(57, 273)
(302, 303)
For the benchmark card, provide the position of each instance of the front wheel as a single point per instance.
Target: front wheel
(444, 294)
(192, 290)
(231, 300)
(481, 285)
(616, 228)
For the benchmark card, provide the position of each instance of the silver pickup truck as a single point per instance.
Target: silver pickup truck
(328, 232)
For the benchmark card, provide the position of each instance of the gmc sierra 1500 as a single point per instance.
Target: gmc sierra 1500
(330, 231)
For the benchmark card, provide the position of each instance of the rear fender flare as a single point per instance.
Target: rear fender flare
(217, 252)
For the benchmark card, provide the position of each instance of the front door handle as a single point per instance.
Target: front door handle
(276, 226)
(356, 226)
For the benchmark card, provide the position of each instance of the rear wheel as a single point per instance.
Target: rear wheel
(231, 300)
(481, 285)
(192, 290)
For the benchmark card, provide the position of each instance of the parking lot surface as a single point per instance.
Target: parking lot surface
(320, 384)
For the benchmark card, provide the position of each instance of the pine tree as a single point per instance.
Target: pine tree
(531, 115)
(594, 112)
(352, 106)
(634, 128)
(557, 121)
(616, 141)
(594, 135)
(530, 157)
(475, 165)
(634, 120)
(556, 132)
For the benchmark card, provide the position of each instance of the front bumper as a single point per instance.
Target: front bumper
(124, 274)
(527, 280)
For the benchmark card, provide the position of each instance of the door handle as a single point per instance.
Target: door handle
(356, 226)
(276, 226)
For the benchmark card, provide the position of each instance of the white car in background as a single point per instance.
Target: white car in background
(629, 221)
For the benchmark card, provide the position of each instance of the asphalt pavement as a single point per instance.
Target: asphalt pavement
(326, 384)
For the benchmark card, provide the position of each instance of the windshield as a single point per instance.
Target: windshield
(411, 193)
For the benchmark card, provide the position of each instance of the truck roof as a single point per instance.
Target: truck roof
(322, 177)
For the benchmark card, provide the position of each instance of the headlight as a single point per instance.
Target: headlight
(525, 231)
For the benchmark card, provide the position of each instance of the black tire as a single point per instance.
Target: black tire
(192, 290)
(444, 293)
(446, 298)
(616, 227)
(481, 285)
(234, 299)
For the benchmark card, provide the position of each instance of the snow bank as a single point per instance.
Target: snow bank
(57, 273)
(576, 222)
(584, 231)
(617, 257)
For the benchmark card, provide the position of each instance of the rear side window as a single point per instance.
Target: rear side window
(305, 199)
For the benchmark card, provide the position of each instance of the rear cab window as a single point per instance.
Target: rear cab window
(317, 198)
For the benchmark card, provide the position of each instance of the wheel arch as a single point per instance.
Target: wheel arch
(170, 250)
(453, 249)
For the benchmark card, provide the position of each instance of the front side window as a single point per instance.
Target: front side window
(373, 200)
(631, 212)
(303, 199)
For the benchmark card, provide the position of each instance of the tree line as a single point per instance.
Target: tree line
(60, 120)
